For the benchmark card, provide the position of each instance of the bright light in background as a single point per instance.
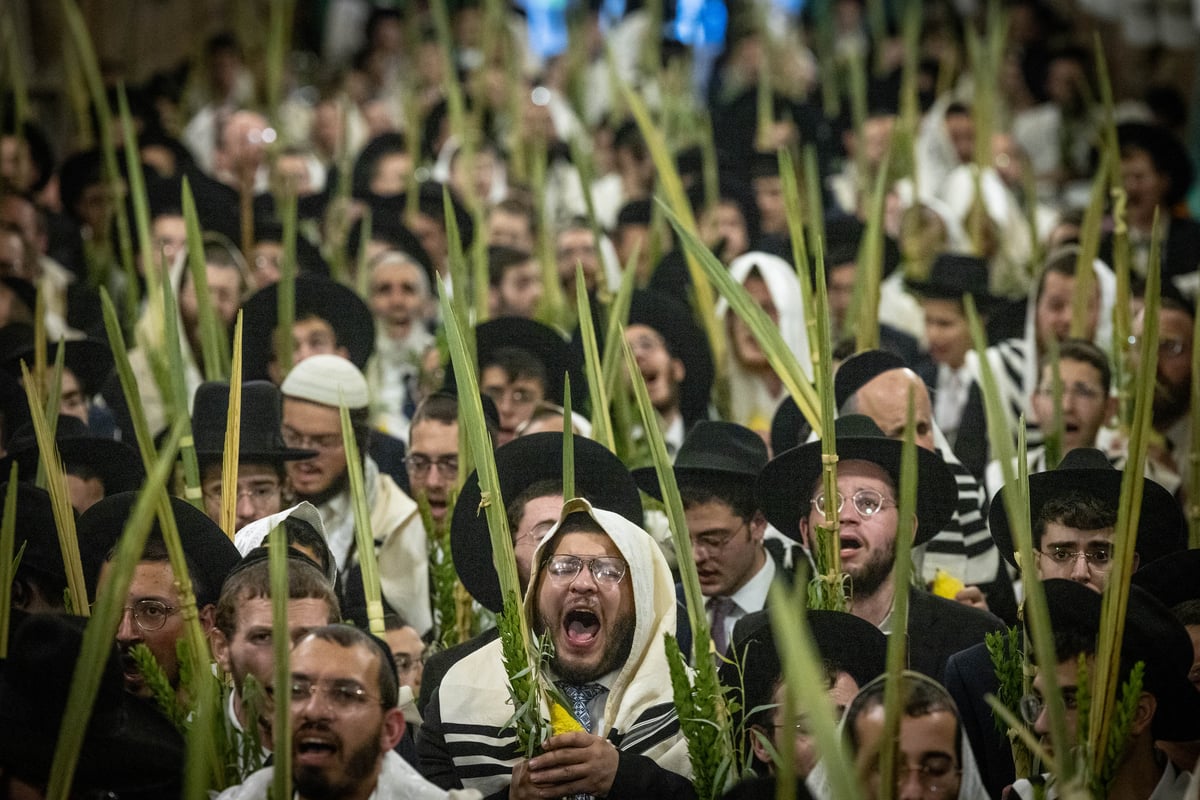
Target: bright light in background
(547, 23)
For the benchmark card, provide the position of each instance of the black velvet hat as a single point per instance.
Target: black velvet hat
(260, 439)
(1162, 529)
(712, 450)
(788, 479)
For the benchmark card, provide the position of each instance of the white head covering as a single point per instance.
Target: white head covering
(327, 379)
(254, 534)
(784, 288)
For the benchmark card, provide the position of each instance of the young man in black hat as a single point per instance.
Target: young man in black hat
(521, 363)
(1167, 709)
(853, 652)
(1073, 511)
(95, 466)
(153, 613)
(868, 477)
(262, 482)
(716, 470)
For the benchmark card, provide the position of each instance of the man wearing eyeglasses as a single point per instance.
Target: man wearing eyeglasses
(1073, 515)
(432, 460)
(312, 394)
(716, 469)
(1084, 373)
(601, 593)
(345, 721)
(793, 499)
(1166, 709)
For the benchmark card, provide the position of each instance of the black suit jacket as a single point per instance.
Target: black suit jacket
(939, 628)
(969, 677)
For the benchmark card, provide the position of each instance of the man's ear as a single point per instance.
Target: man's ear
(1143, 713)
(208, 617)
(392, 730)
(678, 370)
(760, 741)
(220, 648)
(805, 533)
(758, 526)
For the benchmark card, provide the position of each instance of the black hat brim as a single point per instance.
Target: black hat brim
(344, 310)
(788, 478)
(600, 477)
(1162, 529)
(117, 464)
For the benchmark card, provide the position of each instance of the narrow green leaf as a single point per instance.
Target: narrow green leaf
(363, 538)
(230, 456)
(597, 390)
(281, 640)
(214, 343)
(8, 569)
(285, 298)
(568, 448)
(179, 398)
(101, 631)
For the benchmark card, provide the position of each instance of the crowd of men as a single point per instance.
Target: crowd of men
(546, 177)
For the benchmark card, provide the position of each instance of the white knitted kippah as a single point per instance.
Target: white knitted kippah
(327, 379)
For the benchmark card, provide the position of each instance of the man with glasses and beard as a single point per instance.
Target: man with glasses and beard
(345, 722)
(868, 481)
(602, 593)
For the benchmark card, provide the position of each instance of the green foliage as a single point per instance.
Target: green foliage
(701, 706)
(523, 679)
(1122, 724)
(443, 579)
(159, 685)
(1004, 648)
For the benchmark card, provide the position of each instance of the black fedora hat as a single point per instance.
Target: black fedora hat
(673, 321)
(787, 479)
(953, 276)
(37, 532)
(723, 450)
(846, 642)
(1152, 636)
(118, 465)
(600, 477)
(1173, 579)
(90, 359)
(860, 369)
(543, 343)
(1162, 529)
(129, 747)
(210, 553)
(260, 439)
(344, 310)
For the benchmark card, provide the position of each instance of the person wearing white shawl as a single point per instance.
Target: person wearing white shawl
(755, 390)
(1048, 314)
(934, 757)
(633, 747)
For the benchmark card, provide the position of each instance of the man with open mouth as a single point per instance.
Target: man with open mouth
(868, 479)
(601, 593)
(345, 722)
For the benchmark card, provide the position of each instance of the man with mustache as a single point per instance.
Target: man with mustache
(345, 722)
(602, 593)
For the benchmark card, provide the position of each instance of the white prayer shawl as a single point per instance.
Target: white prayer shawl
(639, 713)
(751, 404)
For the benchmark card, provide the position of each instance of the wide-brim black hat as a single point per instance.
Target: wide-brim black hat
(1162, 529)
(128, 747)
(543, 343)
(37, 531)
(685, 340)
(860, 369)
(1172, 579)
(118, 465)
(787, 481)
(846, 642)
(713, 450)
(600, 477)
(210, 553)
(952, 276)
(1152, 636)
(1169, 155)
(90, 359)
(344, 310)
(260, 439)
(789, 428)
